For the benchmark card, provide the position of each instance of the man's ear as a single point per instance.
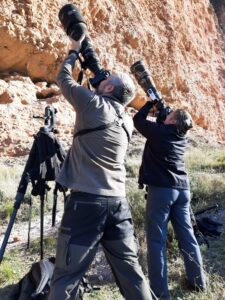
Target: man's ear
(174, 121)
(109, 88)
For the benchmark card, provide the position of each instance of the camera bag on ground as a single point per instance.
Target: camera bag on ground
(35, 285)
(209, 227)
(205, 226)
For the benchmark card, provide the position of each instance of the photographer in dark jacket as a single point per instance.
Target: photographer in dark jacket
(163, 171)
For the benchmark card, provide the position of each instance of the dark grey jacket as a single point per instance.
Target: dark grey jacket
(95, 163)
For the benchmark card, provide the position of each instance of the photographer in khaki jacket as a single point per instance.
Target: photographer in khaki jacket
(97, 210)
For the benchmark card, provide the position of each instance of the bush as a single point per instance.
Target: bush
(2, 196)
(9, 180)
(206, 168)
(7, 272)
(136, 198)
(207, 189)
(6, 209)
(11, 268)
(206, 159)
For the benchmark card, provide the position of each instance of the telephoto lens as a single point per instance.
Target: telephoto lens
(91, 61)
(145, 80)
(75, 26)
(72, 21)
(143, 77)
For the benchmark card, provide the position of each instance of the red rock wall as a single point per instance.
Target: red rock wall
(180, 41)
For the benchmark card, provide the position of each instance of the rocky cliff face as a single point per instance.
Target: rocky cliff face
(182, 43)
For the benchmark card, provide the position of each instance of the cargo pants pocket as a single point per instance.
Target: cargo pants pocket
(79, 258)
(62, 250)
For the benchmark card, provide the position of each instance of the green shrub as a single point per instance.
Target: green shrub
(136, 198)
(171, 243)
(2, 196)
(206, 168)
(11, 269)
(9, 179)
(132, 168)
(207, 189)
(49, 245)
(206, 159)
(7, 272)
(6, 209)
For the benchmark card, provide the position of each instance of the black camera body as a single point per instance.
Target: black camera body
(145, 80)
(75, 26)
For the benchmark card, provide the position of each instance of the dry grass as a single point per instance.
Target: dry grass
(206, 168)
(9, 180)
(206, 158)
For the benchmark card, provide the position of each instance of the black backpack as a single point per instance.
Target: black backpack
(208, 227)
(35, 285)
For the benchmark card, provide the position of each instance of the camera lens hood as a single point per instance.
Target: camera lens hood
(72, 21)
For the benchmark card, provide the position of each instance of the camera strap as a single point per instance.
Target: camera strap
(87, 130)
(81, 73)
(118, 120)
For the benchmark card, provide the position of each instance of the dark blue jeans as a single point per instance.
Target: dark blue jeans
(89, 220)
(164, 204)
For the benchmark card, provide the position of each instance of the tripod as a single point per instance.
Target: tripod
(43, 165)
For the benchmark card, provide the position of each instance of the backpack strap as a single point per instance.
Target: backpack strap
(41, 274)
(127, 133)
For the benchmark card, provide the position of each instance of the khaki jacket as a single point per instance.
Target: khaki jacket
(95, 162)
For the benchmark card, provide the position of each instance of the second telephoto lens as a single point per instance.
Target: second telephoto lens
(72, 21)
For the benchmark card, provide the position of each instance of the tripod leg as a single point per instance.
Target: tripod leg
(29, 223)
(7, 234)
(54, 205)
(42, 228)
(19, 198)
